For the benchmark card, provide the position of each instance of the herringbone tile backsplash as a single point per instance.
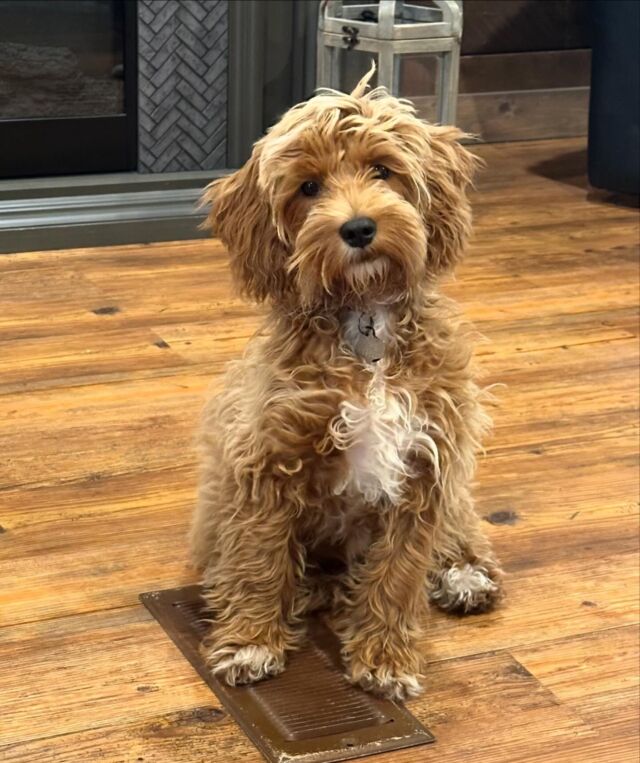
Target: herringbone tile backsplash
(182, 101)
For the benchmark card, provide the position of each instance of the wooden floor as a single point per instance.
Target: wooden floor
(104, 358)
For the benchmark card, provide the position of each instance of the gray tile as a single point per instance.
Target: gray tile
(183, 53)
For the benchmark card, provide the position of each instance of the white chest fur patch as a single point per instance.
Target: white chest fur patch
(378, 437)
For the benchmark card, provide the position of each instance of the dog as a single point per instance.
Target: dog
(336, 464)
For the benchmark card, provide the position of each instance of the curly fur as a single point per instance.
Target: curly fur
(312, 452)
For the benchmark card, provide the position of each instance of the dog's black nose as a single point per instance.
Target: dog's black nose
(359, 232)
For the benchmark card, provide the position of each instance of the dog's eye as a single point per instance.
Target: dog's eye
(310, 188)
(381, 172)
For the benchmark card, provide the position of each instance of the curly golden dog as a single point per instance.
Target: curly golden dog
(337, 461)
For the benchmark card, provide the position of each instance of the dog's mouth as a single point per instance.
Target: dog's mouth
(366, 269)
(358, 256)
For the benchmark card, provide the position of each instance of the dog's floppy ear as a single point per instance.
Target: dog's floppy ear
(449, 169)
(240, 215)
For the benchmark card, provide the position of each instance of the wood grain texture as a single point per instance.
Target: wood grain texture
(492, 26)
(517, 114)
(500, 72)
(105, 356)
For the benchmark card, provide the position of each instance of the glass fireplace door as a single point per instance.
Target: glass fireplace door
(68, 95)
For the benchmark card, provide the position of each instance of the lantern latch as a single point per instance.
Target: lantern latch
(350, 38)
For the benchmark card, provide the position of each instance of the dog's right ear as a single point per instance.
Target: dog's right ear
(241, 216)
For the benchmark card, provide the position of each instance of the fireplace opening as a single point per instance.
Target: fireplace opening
(68, 93)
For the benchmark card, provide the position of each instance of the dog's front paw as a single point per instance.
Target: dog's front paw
(385, 679)
(238, 665)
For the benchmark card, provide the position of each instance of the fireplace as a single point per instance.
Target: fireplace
(68, 87)
(115, 113)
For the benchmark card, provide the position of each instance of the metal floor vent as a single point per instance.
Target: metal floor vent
(308, 713)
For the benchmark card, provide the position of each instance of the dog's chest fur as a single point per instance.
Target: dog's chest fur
(381, 432)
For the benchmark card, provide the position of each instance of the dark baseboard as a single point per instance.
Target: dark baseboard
(103, 234)
(100, 210)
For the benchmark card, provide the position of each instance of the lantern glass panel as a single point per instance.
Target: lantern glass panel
(419, 77)
(354, 64)
(416, 76)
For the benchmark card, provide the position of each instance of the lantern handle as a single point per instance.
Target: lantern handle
(451, 14)
(386, 17)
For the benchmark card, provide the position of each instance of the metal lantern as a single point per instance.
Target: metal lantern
(389, 29)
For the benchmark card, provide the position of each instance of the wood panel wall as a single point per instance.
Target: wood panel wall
(524, 72)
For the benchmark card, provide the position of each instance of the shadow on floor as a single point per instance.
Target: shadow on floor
(571, 169)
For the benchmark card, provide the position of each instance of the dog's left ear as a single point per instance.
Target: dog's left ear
(448, 171)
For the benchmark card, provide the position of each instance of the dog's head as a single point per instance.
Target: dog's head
(349, 198)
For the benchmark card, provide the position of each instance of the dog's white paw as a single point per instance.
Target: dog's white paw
(465, 588)
(244, 665)
(387, 682)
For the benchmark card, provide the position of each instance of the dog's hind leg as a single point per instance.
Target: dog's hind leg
(465, 576)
